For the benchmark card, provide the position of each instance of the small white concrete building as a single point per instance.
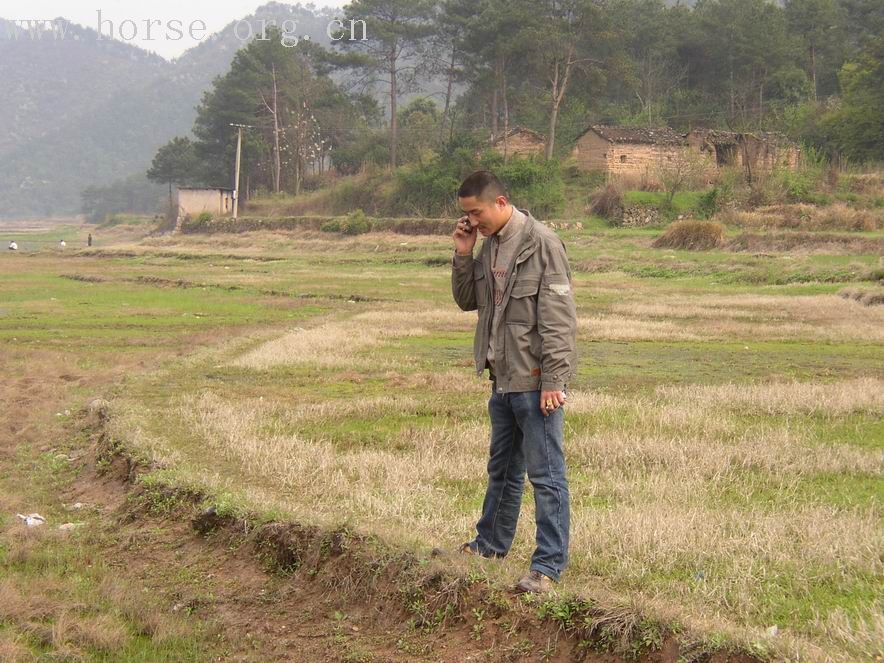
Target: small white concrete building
(192, 201)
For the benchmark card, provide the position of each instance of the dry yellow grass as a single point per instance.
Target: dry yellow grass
(656, 490)
(860, 634)
(22, 542)
(866, 297)
(833, 399)
(146, 616)
(719, 317)
(19, 607)
(691, 235)
(343, 344)
(45, 609)
(102, 632)
(14, 650)
(625, 328)
(837, 216)
(296, 242)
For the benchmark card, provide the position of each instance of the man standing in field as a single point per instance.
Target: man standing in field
(520, 283)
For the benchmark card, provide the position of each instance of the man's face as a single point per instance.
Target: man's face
(487, 216)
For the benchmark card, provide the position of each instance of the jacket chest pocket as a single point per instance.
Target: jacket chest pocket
(481, 284)
(521, 309)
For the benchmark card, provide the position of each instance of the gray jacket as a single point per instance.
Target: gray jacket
(537, 339)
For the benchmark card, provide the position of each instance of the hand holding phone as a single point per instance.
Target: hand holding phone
(464, 236)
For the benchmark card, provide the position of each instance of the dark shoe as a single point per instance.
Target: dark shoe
(534, 583)
(465, 549)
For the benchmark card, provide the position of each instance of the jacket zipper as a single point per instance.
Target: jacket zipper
(522, 257)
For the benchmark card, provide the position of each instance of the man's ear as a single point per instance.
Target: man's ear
(501, 201)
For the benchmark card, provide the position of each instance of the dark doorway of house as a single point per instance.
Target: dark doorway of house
(725, 155)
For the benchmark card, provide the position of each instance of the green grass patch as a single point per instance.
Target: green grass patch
(391, 432)
(682, 203)
(626, 366)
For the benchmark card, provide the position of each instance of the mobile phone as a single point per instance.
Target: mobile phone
(469, 227)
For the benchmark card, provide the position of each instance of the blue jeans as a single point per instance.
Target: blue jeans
(522, 439)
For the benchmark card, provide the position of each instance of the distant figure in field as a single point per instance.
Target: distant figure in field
(89, 240)
(62, 243)
(13, 246)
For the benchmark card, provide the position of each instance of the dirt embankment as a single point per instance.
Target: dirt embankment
(335, 595)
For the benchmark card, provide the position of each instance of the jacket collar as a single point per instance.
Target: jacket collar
(527, 240)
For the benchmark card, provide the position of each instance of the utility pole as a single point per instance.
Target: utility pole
(239, 128)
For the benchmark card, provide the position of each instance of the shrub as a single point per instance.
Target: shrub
(317, 181)
(532, 183)
(355, 223)
(803, 183)
(365, 192)
(691, 235)
(644, 181)
(840, 216)
(709, 203)
(869, 183)
(428, 190)
(332, 226)
(431, 189)
(585, 179)
(759, 194)
(607, 202)
(799, 186)
(400, 225)
(680, 171)
(204, 217)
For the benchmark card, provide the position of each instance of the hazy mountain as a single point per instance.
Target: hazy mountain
(83, 110)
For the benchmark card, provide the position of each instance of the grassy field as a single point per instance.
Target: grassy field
(724, 434)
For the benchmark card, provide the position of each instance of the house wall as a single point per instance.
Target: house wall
(750, 154)
(520, 145)
(194, 201)
(729, 155)
(764, 156)
(590, 152)
(640, 160)
(631, 160)
(628, 160)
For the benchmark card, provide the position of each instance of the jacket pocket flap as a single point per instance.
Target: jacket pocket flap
(525, 288)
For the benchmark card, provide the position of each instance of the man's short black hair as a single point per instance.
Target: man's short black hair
(482, 184)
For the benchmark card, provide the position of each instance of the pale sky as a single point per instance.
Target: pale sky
(215, 14)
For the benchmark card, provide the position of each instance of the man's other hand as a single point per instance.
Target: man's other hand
(550, 401)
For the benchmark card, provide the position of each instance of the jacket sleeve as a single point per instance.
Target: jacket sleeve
(556, 319)
(463, 287)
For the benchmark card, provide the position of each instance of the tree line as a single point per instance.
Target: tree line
(813, 69)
